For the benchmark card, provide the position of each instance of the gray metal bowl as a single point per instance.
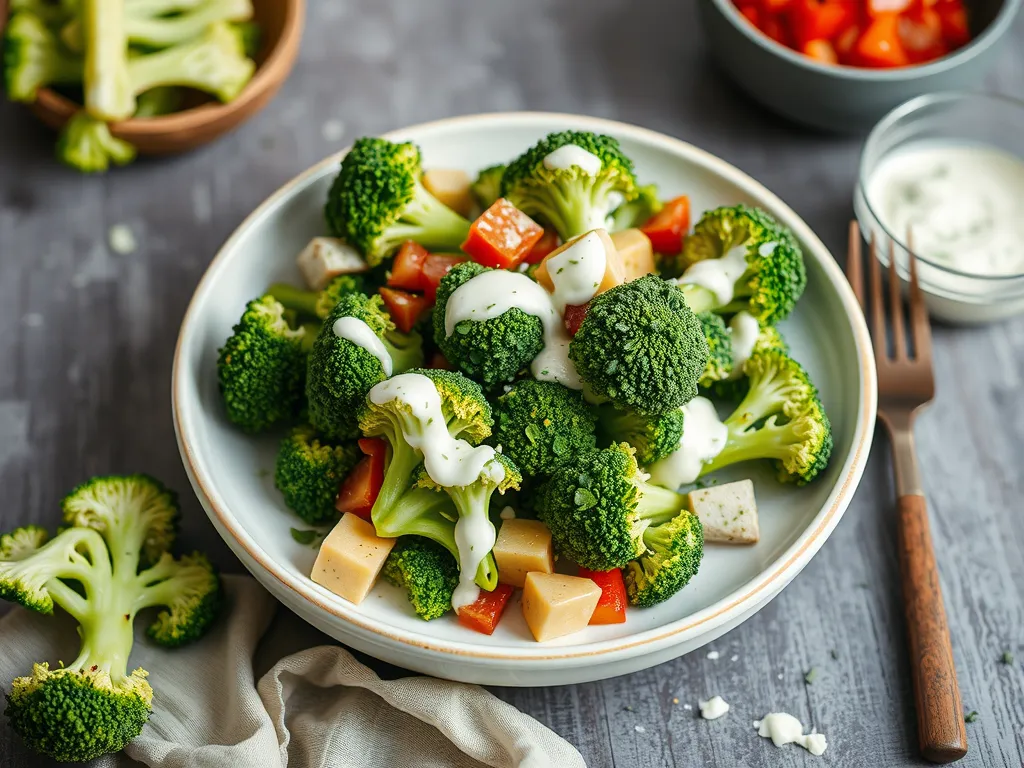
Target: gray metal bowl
(844, 99)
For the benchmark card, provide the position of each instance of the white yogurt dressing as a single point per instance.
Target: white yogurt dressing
(450, 462)
(359, 333)
(577, 271)
(719, 276)
(565, 157)
(744, 330)
(964, 204)
(783, 728)
(492, 293)
(704, 437)
(713, 708)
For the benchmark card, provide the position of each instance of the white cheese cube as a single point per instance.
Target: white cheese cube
(727, 512)
(636, 252)
(555, 605)
(451, 187)
(523, 546)
(350, 558)
(327, 257)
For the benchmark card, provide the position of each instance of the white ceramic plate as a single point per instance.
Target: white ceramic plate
(232, 473)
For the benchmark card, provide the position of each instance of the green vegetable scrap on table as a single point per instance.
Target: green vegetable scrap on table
(125, 59)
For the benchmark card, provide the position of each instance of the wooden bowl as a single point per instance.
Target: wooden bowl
(281, 27)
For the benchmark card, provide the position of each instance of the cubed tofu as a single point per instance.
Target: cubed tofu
(327, 257)
(636, 252)
(614, 270)
(727, 512)
(451, 187)
(523, 546)
(556, 605)
(351, 558)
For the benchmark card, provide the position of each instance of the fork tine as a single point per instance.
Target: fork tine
(920, 327)
(855, 265)
(899, 335)
(877, 304)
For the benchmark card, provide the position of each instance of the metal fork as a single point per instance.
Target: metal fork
(906, 384)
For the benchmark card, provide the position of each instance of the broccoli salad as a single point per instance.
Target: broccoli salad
(483, 374)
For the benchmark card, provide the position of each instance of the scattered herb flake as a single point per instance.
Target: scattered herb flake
(834, 653)
(811, 676)
(584, 499)
(305, 538)
(971, 716)
(1006, 658)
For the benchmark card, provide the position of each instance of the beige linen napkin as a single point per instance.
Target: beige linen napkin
(319, 708)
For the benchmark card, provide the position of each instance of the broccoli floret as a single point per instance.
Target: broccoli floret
(377, 202)
(308, 473)
(775, 275)
(599, 505)
(641, 347)
(53, 13)
(541, 424)
(781, 419)
(91, 569)
(427, 571)
(87, 145)
(492, 351)
(653, 437)
(719, 340)
(318, 304)
(487, 187)
(571, 200)
(262, 366)
(734, 387)
(34, 58)
(341, 372)
(637, 211)
(672, 557)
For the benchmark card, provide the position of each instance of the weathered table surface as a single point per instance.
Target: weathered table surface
(86, 338)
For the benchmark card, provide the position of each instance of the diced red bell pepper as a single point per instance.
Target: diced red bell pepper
(611, 606)
(482, 614)
(776, 6)
(920, 31)
(752, 13)
(955, 29)
(407, 268)
(880, 45)
(405, 308)
(359, 490)
(436, 267)
(502, 236)
(819, 19)
(846, 44)
(667, 228)
(573, 317)
(548, 242)
(439, 362)
(772, 24)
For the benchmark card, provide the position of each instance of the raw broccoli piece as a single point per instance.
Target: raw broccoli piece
(637, 211)
(427, 571)
(781, 419)
(571, 200)
(735, 386)
(377, 202)
(308, 473)
(491, 351)
(672, 557)
(107, 86)
(34, 58)
(541, 424)
(159, 101)
(599, 505)
(318, 304)
(653, 437)
(87, 145)
(50, 12)
(641, 347)
(91, 569)
(719, 340)
(261, 367)
(774, 276)
(341, 372)
(487, 187)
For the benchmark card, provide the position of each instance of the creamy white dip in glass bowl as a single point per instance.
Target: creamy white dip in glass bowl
(950, 168)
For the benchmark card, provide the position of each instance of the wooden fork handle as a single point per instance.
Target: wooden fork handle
(940, 716)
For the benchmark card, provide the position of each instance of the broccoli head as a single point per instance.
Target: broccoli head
(599, 505)
(760, 257)
(34, 58)
(492, 351)
(427, 572)
(719, 338)
(541, 424)
(640, 346)
(309, 472)
(487, 187)
(87, 145)
(111, 561)
(673, 551)
(572, 199)
(341, 372)
(261, 367)
(653, 437)
(377, 202)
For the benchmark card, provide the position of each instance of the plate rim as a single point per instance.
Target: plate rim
(757, 590)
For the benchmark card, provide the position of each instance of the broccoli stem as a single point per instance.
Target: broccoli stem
(403, 461)
(771, 441)
(107, 635)
(658, 505)
(304, 302)
(699, 298)
(108, 91)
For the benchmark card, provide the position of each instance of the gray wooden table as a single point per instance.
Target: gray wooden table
(86, 337)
